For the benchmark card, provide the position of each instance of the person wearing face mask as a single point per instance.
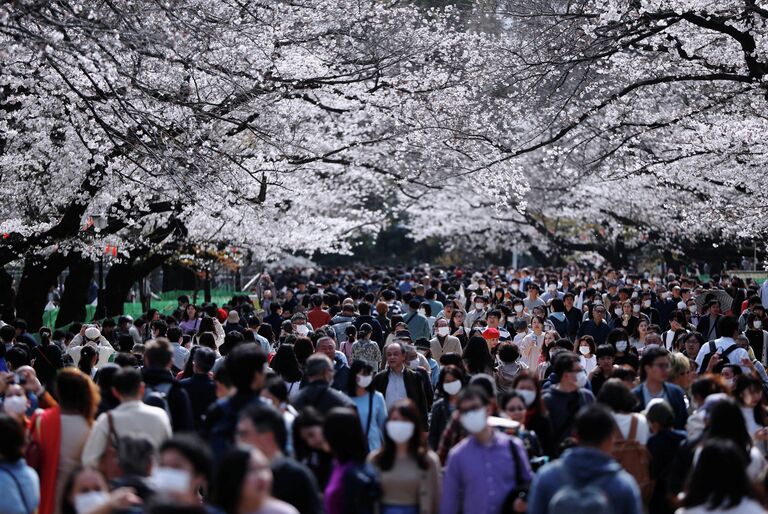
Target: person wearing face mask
(444, 342)
(371, 406)
(651, 313)
(654, 373)
(408, 471)
(757, 335)
(478, 313)
(564, 399)
(263, 427)
(512, 405)
(15, 402)
(586, 346)
(449, 385)
(753, 305)
(19, 482)
(536, 417)
(184, 469)
(485, 467)
(86, 492)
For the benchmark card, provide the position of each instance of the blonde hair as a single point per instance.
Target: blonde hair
(679, 365)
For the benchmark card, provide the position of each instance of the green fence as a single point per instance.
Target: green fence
(166, 304)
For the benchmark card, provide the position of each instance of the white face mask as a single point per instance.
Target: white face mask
(400, 431)
(364, 380)
(414, 364)
(423, 312)
(170, 480)
(452, 388)
(636, 308)
(552, 288)
(528, 396)
(617, 311)
(621, 346)
(515, 287)
(634, 295)
(692, 308)
(757, 323)
(15, 405)
(599, 286)
(584, 350)
(302, 330)
(474, 421)
(645, 286)
(443, 331)
(646, 303)
(728, 382)
(479, 306)
(89, 502)
(581, 379)
(681, 305)
(518, 308)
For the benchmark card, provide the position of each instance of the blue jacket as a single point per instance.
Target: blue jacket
(675, 395)
(20, 487)
(588, 466)
(418, 325)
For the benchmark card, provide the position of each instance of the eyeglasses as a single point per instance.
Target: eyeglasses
(662, 365)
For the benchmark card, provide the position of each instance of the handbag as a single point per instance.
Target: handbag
(109, 464)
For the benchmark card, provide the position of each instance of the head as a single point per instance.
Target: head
(262, 426)
(719, 480)
(77, 393)
(344, 434)
(396, 356)
(654, 365)
(246, 366)
(512, 405)
(127, 385)
(243, 482)
(605, 354)
(360, 377)
(569, 370)
(135, 454)
(319, 368)
(616, 395)
(594, 427)
(474, 408)
(188, 454)
(327, 347)
(404, 428)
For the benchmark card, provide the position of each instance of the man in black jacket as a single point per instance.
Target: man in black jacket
(161, 388)
(398, 382)
(708, 324)
(318, 392)
(200, 387)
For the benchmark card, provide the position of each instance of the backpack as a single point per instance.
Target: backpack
(712, 351)
(362, 489)
(635, 459)
(157, 396)
(574, 498)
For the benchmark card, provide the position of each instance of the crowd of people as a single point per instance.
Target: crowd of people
(417, 391)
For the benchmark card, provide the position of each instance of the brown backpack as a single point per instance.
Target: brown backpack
(635, 459)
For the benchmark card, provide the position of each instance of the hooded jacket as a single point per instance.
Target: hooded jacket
(586, 466)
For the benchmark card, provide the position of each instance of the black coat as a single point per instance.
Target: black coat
(202, 394)
(414, 389)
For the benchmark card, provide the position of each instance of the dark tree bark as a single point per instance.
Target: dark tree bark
(76, 287)
(122, 276)
(7, 297)
(36, 280)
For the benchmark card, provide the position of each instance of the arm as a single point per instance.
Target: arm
(433, 482)
(538, 496)
(451, 496)
(96, 443)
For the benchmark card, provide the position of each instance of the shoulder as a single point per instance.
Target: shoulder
(433, 461)
(675, 389)
(275, 506)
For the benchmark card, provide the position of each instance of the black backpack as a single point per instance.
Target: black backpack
(712, 351)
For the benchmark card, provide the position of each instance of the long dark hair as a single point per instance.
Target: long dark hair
(727, 422)
(744, 383)
(228, 483)
(537, 408)
(344, 434)
(356, 368)
(85, 364)
(416, 449)
(286, 364)
(455, 372)
(477, 356)
(719, 479)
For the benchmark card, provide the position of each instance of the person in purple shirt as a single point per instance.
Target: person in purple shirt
(481, 470)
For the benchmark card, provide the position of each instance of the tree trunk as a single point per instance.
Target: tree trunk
(117, 286)
(7, 297)
(75, 291)
(36, 281)
(207, 286)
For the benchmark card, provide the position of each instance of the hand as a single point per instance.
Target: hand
(746, 362)
(123, 498)
(5, 379)
(762, 434)
(519, 505)
(713, 361)
(32, 384)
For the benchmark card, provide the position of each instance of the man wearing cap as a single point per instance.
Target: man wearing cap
(443, 342)
(90, 335)
(366, 350)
